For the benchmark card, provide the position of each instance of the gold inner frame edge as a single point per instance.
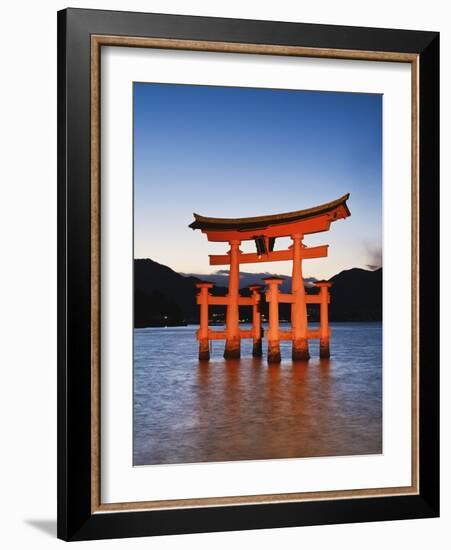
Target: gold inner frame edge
(97, 41)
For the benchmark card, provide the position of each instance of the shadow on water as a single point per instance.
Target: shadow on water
(245, 409)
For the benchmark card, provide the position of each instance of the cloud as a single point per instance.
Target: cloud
(374, 255)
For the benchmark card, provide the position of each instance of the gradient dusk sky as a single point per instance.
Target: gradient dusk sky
(237, 152)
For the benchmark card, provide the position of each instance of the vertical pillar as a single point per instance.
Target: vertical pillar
(273, 334)
(232, 345)
(324, 331)
(202, 333)
(300, 351)
(256, 320)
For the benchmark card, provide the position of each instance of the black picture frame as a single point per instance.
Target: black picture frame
(75, 518)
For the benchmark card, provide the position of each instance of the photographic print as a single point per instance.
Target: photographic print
(257, 274)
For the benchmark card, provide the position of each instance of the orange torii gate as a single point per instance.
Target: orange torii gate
(264, 230)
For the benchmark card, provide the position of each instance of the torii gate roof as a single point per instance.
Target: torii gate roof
(222, 227)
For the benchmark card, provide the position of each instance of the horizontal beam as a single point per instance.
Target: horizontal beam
(310, 252)
(312, 299)
(315, 224)
(216, 335)
(274, 256)
(313, 334)
(221, 334)
(283, 334)
(224, 300)
(283, 298)
(250, 301)
(288, 298)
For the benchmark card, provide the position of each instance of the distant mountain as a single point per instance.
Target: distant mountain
(356, 295)
(221, 278)
(164, 297)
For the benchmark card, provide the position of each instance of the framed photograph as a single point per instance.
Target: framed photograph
(248, 274)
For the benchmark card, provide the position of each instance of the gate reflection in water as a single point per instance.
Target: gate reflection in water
(187, 411)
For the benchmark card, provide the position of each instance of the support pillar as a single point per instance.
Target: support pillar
(256, 320)
(273, 334)
(324, 331)
(202, 333)
(299, 327)
(232, 345)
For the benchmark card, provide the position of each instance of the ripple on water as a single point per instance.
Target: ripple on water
(186, 411)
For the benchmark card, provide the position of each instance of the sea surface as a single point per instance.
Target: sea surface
(186, 411)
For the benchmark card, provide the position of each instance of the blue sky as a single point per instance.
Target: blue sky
(235, 152)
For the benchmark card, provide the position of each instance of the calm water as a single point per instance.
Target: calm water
(185, 411)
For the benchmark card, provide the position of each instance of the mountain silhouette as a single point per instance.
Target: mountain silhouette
(163, 297)
(356, 295)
